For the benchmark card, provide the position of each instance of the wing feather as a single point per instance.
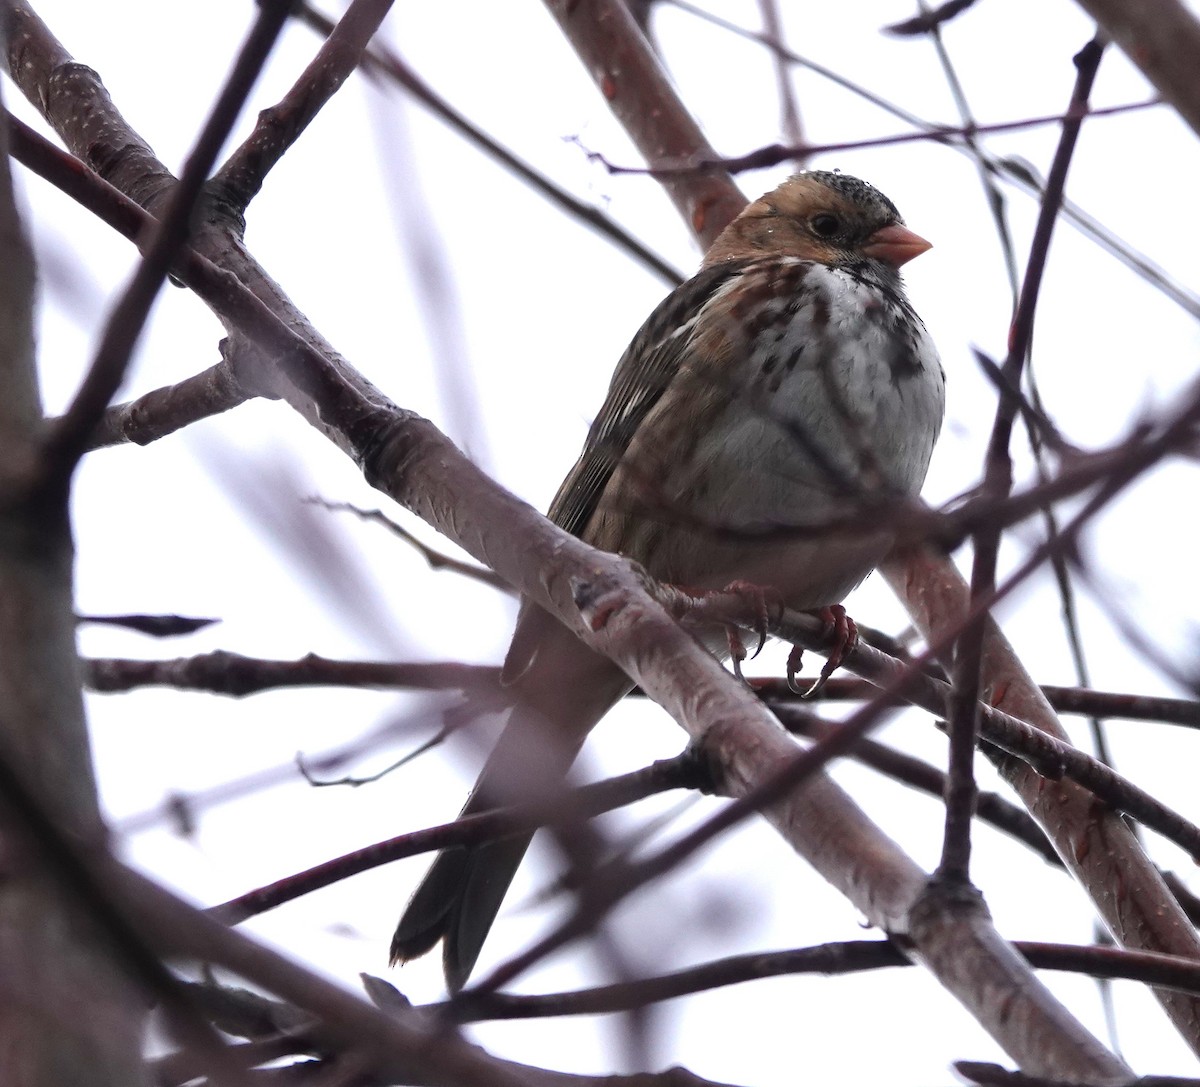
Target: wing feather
(642, 376)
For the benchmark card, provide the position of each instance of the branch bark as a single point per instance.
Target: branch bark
(68, 1016)
(639, 93)
(1163, 39)
(1095, 844)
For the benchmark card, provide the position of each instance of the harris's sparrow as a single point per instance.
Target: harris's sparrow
(783, 386)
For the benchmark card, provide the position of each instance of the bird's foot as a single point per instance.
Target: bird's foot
(844, 632)
(761, 599)
(741, 605)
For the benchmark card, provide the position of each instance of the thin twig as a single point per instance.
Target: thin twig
(773, 154)
(831, 959)
(789, 111)
(1015, 170)
(1081, 700)
(436, 559)
(991, 191)
(997, 482)
(235, 675)
(682, 772)
(1033, 414)
(157, 626)
(379, 59)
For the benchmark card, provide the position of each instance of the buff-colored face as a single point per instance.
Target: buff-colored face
(833, 219)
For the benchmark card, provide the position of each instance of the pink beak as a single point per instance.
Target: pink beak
(895, 245)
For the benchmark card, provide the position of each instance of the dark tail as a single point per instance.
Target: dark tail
(559, 697)
(457, 902)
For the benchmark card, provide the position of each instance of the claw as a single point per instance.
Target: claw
(758, 594)
(845, 633)
(737, 650)
(795, 659)
(814, 690)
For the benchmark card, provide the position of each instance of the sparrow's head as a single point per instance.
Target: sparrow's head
(819, 215)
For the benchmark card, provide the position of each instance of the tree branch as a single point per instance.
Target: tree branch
(1162, 37)
(279, 126)
(639, 93)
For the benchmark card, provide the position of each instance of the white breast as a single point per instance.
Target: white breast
(843, 398)
(841, 403)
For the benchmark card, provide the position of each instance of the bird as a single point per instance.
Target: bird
(784, 387)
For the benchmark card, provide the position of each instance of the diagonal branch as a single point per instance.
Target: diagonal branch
(279, 126)
(639, 93)
(379, 59)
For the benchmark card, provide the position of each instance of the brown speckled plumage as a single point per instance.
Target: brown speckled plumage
(785, 386)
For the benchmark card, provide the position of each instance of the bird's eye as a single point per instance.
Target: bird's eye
(825, 225)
